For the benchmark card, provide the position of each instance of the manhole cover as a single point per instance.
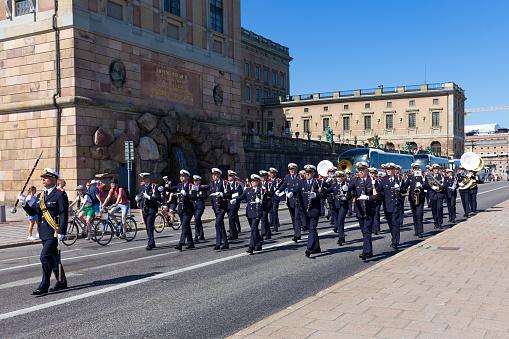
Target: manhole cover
(449, 248)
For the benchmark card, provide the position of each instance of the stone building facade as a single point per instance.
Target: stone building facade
(165, 74)
(492, 147)
(425, 115)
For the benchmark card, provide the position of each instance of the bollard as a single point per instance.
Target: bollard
(2, 214)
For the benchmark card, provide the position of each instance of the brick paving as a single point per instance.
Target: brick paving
(453, 285)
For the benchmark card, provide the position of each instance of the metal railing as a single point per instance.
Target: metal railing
(412, 88)
(368, 91)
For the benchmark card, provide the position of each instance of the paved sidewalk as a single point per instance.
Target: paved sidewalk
(454, 285)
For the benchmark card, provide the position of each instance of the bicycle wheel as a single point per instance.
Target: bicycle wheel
(71, 234)
(175, 220)
(160, 222)
(131, 229)
(94, 223)
(103, 233)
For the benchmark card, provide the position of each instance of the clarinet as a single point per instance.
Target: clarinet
(363, 202)
(309, 200)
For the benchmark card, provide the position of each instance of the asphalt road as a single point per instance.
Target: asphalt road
(122, 290)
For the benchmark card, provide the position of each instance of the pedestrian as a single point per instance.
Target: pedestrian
(436, 188)
(233, 208)
(121, 203)
(32, 219)
(93, 191)
(61, 184)
(52, 210)
(86, 211)
(416, 197)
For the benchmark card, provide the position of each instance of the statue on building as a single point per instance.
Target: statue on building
(428, 148)
(408, 147)
(376, 141)
(329, 134)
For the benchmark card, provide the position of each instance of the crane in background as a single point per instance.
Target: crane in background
(486, 109)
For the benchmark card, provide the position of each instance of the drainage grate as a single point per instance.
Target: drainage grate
(449, 248)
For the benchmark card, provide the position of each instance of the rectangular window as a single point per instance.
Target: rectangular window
(247, 69)
(325, 108)
(266, 75)
(367, 105)
(248, 93)
(114, 10)
(257, 72)
(411, 103)
(346, 106)
(282, 81)
(266, 97)
(346, 123)
(435, 101)
(257, 94)
(22, 7)
(173, 31)
(270, 127)
(367, 122)
(269, 113)
(274, 97)
(389, 103)
(274, 78)
(389, 121)
(326, 123)
(287, 111)
(435, 119)
(216, 15)
(306, 124)
(306, 110)
(248, 111)
(259, 127)
(288, 127)
(172, 6)
(412, 120)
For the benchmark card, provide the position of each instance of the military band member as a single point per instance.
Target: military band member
(255, 198)
(414, 183)
(239, 230)
(51, 208)
(451, 193)
(472, 191)
(365, 194)
(436, 195)
(309, 191)
(399, 174)
(464, 193)
(199, 208)
(233, 216)
(373, 173)
(290, 182)
(169, 202)
(186, 194)
(426, 190)
(331, 173)
(302, 217)
(339, 205)
(149, 199)
(274, 208)
(264, 185)
(220, 193)
(392, 202)
(348, 177)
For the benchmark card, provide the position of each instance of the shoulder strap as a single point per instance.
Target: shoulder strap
(48, 216)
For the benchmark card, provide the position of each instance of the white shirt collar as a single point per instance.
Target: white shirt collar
(49, 190)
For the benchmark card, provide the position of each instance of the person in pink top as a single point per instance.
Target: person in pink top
(121, 202)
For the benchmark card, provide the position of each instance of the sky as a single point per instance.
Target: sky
(346, 45)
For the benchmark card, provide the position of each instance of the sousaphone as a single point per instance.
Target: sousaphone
(472, 162)
(323, 167)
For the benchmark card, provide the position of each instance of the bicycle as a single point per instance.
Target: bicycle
(74, 226)
(162, 221)
(104, 230)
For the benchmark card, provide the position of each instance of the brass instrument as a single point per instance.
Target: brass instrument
(432, 181)
(472, 162)
(363, 202)
(417, 190)
(309, 200)
(345, 165)
(323, 167)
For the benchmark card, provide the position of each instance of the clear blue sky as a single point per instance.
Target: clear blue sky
(344, 45)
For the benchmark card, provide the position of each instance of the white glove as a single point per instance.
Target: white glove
(469, 175)
(280, 194)
(290, 195)
(60, 237)
(343, 198)
(183, 192)
(233, 201)
(396, 186)
(277, 193)
(146, 196)
(220, 194)
(418, 184)
(258, 201)
(452, 188)
(434, 188)
(461, 184)
(195, 188)
(160, 188)
(363, 197)
(22, 199)
(312, 195)
(214, 194)
(137, 198)
(345, 188)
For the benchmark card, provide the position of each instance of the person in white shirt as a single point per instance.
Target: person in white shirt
(31, 199)
(86, 212)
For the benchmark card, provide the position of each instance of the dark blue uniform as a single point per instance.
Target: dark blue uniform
(311, 208)
(450, 196)
(392, 202)
(254, 213)
(436, 199)
(274, 185)
(339, 208)
(57, 205)
(220, 207)
(185, 210)
(464, 193)
(376, 218)
(364, 210)
(416, 205)
(233, 209)
(199, 208)
(266, 186)
(290, 182)
(472, 192)
(150, 208)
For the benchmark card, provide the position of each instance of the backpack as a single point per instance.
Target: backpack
(126, 192)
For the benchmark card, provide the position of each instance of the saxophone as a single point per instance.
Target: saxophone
(417, 191)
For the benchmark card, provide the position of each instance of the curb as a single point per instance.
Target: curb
(269, 320)
(19, 244)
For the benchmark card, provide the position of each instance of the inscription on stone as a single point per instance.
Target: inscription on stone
(163, 82)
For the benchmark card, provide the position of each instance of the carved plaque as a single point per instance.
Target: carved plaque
(168, 83)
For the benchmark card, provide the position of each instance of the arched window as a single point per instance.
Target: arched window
(390, 146)
(436, 147)
(413, 147)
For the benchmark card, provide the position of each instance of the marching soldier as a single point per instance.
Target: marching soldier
(239, 230)
(302, 217)
(376, 219)
(290, 182)
(51, 208)
(199, 208)
(186, 193)
(428, 170)
(220, 196)
(365, 194)
(402, 209)
(436, 189)
(256, 198)
(274, 208)
(309, 191)
(149, 199)
(331, 173)
(452, 185)
(464, 192)
(472, 191)
(264, 185)
(414, 183)
(233, 216)
(348, 177)
(392, 202)
(339, 205)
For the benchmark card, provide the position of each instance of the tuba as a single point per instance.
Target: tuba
(345, 165)
(323, 167)
(472, 162)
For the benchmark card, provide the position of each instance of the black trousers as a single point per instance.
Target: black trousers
(186, 234)
(294, 214)
(313, 241)
(256, 239)
(437, 209)
(198, 225)
(366, 225)
(465, 201)
(220, 230)
(376, 218)
(339, 219)
(473, 200)
(274, 216)
(418, 214)
(150, 219)
(266, 232)
(393, 219)
(451, 205)
(232, 221)
(49, 261)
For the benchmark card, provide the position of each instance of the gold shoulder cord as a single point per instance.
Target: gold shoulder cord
(48, 216)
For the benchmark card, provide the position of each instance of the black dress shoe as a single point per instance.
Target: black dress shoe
(394, 246)
(268, 237)
(307, 253)
(232, 238)
(203, 237)
(335, 230)
(440, 227)
(420, 235)
(363, 257)
(295, 239)
(276, 229)
(304, 229)
(40, 291)
(258, 249)
(376, 232)
(318, 250)
(249, 250)
(328, 217)
(190, 246)
(225, 247)
(453, 221)
(196, 239)
(415, 234)
(339, 242)
(58, 287)
(178, 247)
(148, 248)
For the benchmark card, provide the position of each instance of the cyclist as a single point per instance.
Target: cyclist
(121, 203)
(86, 212)
(169, 202)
